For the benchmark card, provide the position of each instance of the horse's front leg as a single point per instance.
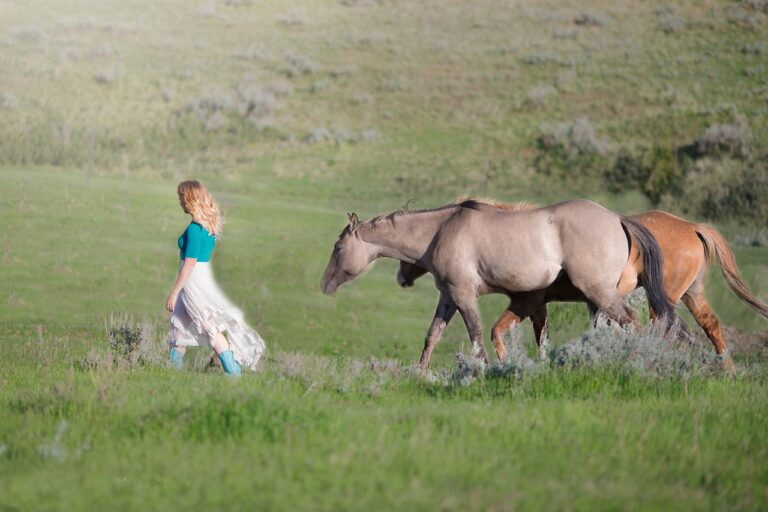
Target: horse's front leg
(443, 314)
(471, 315)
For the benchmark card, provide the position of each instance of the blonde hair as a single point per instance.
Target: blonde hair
(198, 202)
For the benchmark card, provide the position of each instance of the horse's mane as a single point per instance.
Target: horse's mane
(470, 202)
(476, 202)
(405, 210)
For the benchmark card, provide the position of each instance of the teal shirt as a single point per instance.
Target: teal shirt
(196, 242)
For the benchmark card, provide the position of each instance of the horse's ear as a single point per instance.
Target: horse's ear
(353, 221)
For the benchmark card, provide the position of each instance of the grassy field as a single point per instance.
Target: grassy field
(294, 114)
(347, 437)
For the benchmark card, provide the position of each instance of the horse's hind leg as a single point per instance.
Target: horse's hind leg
(696, 302)
(593, 312)
(609, 302)
(443, 314)
(506, 321)
(521, 306)
(706, 318)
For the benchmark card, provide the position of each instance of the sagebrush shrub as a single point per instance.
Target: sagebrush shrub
(299, 65)
(546, 57)
(720, 176)
(340, 135)
(572, 139)
(591, 19)
(751, 237)
(540, 95)
(749, 15)
(669, 23)
(733, 139)
(246, 100)
(646, 350)
(727, 188)
(653, 171)
(131, 343)
(757, 5)
(9, 102)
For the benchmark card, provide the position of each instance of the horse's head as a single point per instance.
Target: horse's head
(408, 273)
(350, 257)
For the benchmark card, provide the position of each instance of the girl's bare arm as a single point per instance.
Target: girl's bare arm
(186, 270)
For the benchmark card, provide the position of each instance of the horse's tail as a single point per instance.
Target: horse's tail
(653, 268)
(715, 244)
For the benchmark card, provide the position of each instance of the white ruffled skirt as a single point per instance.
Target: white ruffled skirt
(202, 311)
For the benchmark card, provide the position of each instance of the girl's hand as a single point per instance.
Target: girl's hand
(184, 273)
(170, 303)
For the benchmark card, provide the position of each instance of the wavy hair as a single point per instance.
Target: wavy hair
(198, 202)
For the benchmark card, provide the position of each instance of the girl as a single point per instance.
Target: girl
(200, 312)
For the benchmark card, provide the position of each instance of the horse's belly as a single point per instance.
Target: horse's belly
(523, 278)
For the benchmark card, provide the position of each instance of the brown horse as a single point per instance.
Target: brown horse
(473, 249)
(689, 250)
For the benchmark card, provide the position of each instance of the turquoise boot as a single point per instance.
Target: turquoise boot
(229, 364)
(176, 360)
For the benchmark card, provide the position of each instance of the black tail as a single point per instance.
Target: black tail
(653, 272)
(653, 265)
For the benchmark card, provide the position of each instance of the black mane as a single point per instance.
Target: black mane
(473, 204)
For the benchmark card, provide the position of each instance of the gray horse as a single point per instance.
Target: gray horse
(472, 249)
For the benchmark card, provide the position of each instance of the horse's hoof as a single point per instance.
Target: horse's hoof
(728, 367)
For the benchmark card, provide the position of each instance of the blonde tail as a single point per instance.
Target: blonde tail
(715, 244)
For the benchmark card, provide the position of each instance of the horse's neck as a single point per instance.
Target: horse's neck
(407, 236)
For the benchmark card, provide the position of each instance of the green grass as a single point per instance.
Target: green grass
(586, 439)
(95, 135)
(598, 439)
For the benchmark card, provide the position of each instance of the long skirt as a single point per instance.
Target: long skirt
(202, 311)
